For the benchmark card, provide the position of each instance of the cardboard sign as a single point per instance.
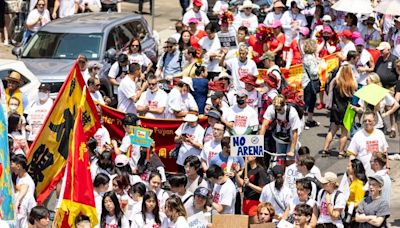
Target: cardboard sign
(141, 137)
(230, 221)
(247, 145)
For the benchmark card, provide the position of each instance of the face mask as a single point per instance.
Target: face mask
(43, 96)
(325, 38)
(13, 108)
(240, 102)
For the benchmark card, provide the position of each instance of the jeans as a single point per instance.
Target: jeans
(184, 5)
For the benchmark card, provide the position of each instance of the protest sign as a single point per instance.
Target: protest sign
(199, 220)
(141, 137)
(247, 145)
(229, 221)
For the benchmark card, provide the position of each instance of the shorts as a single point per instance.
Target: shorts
(249, 207)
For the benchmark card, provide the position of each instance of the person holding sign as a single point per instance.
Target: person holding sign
(241, 118)
(212, 148)
(229, 164)
(252, 182)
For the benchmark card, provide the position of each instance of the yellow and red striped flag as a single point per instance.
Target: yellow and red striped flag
(78, 195)
(48, 154)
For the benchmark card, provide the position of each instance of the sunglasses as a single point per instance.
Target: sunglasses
(170, 46)
(248, 8)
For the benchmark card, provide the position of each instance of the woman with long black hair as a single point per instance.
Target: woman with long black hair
(150, 215)
(111, 213)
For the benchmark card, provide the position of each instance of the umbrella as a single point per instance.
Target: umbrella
(354, 6)
(390, 7)
(371, 93)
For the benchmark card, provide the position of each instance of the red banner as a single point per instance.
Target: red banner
(163, 132)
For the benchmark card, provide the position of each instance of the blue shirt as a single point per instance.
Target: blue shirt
(222, 161)
(172, 64)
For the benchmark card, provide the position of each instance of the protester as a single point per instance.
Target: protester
(246, 17)
(155, 186)
(373, 210)
(150, 215)
(341, 91)
(14, 82)
(180, 101)
(153, 102)
(101, 185)
(111, 213)
(37, 18)
(201, 206)
(210, 46)
(331, 202)
(175, 212)
(357, 180)
(265, 213)
(136, 55)
(82, 221)
(194, 173)
(276, 192)
(178, 184)
(224, 192)
(118, 71)
(302, 216)
(195, 12)
(39, 217)
(378, 163)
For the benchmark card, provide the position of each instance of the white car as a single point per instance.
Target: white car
(30, 82)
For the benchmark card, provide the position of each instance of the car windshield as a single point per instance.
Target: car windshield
(63, 46)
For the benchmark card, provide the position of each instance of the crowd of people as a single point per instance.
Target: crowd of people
(231, 68)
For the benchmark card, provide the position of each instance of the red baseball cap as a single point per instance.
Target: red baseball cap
(347, 33)
(197, 3)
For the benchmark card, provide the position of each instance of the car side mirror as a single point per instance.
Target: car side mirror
(17, 51)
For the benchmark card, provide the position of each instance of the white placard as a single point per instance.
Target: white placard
(247, 145)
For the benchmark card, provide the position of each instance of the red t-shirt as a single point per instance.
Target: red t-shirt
(258, 46)
(274, 43)
(194, 40)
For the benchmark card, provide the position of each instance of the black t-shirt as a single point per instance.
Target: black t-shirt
(386, 70)
(257, 177)
(397, 89)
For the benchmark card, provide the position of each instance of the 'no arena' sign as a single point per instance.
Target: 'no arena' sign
(247, 145)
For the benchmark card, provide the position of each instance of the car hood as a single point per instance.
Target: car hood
(49, 70)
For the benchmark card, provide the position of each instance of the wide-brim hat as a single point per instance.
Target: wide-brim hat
(190, 118)
(249, 79)
(223, 74)
(329, 177)
(248, 4)
(188, 81)
(14, 76)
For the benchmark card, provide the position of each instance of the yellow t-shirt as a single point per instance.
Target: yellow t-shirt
(357, 192)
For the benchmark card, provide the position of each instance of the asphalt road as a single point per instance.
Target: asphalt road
(168, 12)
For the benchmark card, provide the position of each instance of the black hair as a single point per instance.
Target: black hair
(321, 8)
(151, 77)
(192, 51)
(153, 174)
(305, 184)
(211, 27)
(105, 161)
(122, 58)
(139, 188)
(183, 46)
(13, 121)
(20, 159)
(122, 181)
(133, 67)
(214, 171)
(101, 179)
(81, 218)
(178, 180)
(156, 210)
(91, 81)
(194, 161)
(303, 150)
(118, 213)
(199, 69)
(359, 170)
(308, 161)
(130, 119)
(354, 19)
(304, 209)
(226, 141)
(245, 29)
(37, 213)
(351, 55)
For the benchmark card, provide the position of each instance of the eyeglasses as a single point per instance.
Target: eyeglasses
(248, 8)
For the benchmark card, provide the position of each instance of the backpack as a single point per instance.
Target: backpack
(284, 83)
(294, 100)
(317, 183)
(180, 59)
(334, 198)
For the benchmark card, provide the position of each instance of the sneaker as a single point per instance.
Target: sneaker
(394, 157)
(314, 123)
(320, 106)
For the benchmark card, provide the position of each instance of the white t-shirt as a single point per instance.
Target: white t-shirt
(27, 180)
(240, 69)
(178, 102)
(271, 17)
(242, 118)
(162, 196)
(225, 195)
(138, 221)
(98, 97)
(219, 5)
(126, 90)
(192, 186)
(113, 73)
(324, 216)
(139, 58)
(364, 144)
(188, 197)
(134, 150)
(292, 174)
(254, 99)
(36, 116)
(347, 47)
(282, 124)
(201, 16)
(181, 222)
(284, 196)
(396, 44)
(290, 24)
(365, 57)
(196, 133)
(211, 46)
(112, 222)
(67, 8)
(102, 137)
(154, 100)
(34, 15)
(387, 101)
(210, 149)
(251, 22)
